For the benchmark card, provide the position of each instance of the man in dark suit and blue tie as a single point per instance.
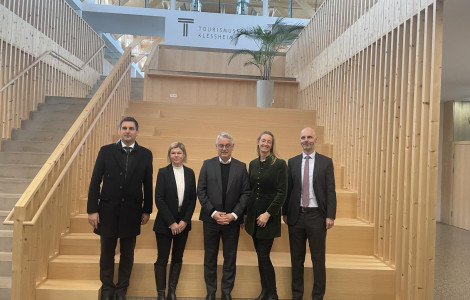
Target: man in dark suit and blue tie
(120, 200)
(309, 211)
(223, 190)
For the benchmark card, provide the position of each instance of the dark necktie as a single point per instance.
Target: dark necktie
(127, 149)
(305, 183)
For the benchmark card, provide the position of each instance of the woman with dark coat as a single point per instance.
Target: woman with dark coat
(175, 198)
(268, 178)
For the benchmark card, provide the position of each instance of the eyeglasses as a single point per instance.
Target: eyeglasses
(227, 146)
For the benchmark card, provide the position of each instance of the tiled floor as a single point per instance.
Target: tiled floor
(452, 269)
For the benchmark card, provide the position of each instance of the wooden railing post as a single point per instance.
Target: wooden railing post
(23, 284)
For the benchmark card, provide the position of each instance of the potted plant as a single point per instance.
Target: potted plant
(269, 42)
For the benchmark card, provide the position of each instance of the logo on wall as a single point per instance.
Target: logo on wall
(185, 22)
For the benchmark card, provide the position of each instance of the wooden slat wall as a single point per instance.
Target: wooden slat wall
(372, 70)
(43, 212)
(29, 28)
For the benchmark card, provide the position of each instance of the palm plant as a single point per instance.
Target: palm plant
(269, 42)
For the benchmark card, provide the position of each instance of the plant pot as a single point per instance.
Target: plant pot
(264, 93)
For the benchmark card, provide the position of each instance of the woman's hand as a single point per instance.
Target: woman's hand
(263, 219)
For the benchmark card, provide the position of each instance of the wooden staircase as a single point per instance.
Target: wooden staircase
(353, 272)
(21, 157)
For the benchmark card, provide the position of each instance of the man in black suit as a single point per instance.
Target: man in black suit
(223, 191)
(309, 211)
(121, 205)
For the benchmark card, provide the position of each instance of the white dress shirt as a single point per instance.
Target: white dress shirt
(179, 178)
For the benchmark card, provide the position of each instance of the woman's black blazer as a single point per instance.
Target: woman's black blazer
(166, 199)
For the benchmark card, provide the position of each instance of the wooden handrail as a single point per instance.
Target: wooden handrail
(35, 62)
(43, 212)
(73, 130)
(9, 219)
(55, 55)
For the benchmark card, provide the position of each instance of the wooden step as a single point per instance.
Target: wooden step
(5, 288)
(218, 112)
(5, 264)
(196, 164)
(349, 236)
(289, 131)
(347, 200)
(68, 289)
(348, 276)
(204, 148)
(347, 205)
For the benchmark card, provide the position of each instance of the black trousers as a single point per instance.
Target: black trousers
(108, 248)
(212, 235)
(164, 247)
(310, 226)
(266, 269)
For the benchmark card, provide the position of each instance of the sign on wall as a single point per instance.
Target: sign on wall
(211, 30)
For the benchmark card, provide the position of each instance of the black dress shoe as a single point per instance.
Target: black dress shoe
(263, 295)
(210, 297)
(226, 297)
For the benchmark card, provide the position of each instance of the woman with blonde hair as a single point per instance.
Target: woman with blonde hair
(268, 178)
(175, 198)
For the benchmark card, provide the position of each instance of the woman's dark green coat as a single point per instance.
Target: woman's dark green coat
(269, 189)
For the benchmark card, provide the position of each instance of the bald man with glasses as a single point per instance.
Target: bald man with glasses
(309, 211)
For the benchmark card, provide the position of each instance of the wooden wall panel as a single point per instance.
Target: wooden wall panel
(371, 70)
(447, 163)
(461, 188)
(455, 165)
(213, 90)
(206, 61)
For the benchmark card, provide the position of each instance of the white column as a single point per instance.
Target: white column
(265, 8)
(173, 5)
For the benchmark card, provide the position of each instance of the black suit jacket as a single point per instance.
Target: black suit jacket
(323, 186)
(209, 189)
(121, 199)
(166, 199)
